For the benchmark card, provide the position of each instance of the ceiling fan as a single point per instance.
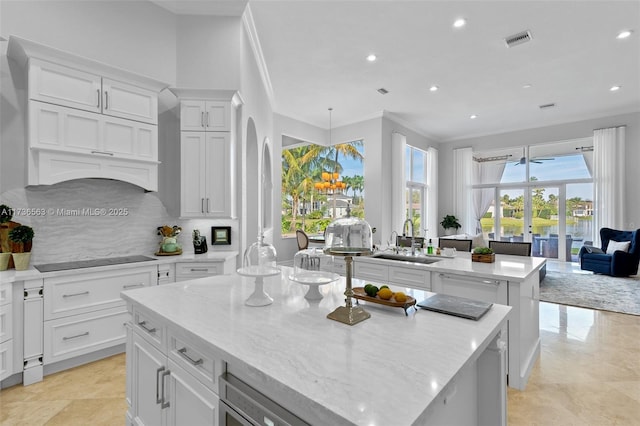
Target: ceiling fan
(523, 160)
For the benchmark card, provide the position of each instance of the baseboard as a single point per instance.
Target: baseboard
(83, 359)
(11, 381)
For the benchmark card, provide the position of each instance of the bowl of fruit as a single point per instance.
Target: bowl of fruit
(383, 295)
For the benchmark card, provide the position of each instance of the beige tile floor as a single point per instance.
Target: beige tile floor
(588, 373)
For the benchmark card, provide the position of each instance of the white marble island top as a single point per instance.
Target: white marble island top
(387, 370)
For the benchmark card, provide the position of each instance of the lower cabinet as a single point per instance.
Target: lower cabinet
(401, 276)
(484, 289)
(169, 387)
(192, 270)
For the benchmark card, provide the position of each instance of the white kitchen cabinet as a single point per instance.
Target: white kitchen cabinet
(166, 273)
(206, 174)
(410, 277)
(208, 152)
(191, 270)
(371, 271)
(6, 331)
(87, 119)
(483, 289)
(200, 116)
(168, 389)
(62, 85)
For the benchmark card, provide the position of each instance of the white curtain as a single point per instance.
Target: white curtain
(462, 192)
(432, 196)
(608, 177)
(398, 185)
(488, 172)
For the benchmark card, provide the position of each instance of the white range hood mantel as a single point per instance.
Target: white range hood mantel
(87, 119)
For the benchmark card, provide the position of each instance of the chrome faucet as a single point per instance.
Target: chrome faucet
(404, 234)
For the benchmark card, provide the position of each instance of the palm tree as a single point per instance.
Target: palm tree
(357, 183)
(297, 183)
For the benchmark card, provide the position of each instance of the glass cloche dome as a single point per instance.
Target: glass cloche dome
(260, 255)
(348, 236)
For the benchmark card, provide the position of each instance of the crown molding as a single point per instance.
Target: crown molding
(254, 41)
(399, 120)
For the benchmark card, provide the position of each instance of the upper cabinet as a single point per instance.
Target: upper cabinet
(207, 152)
(87, 119)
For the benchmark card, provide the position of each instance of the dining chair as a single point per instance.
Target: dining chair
(459, 245)
(505, 247)
(302, 239)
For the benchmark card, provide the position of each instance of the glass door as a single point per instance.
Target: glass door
(511, 218)
(548, 223)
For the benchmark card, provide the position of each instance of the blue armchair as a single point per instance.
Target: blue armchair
(618, 264)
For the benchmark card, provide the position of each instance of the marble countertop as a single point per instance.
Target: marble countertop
(32, 273)
(386, 370)
(512, 268)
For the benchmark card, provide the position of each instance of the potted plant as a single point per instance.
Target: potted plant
(483, 254)
(449, 223)
(21, 238)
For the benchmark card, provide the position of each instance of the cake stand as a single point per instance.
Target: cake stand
(313, 279)
(259, 297)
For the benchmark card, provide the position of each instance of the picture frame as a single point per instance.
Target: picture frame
(220, 235)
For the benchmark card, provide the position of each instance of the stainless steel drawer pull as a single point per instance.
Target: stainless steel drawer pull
(207, 118)
(102, 153)
(86, 333)
(84, 293)
(199, 270)
(165, 403)
(183, 352)
(143, 325)
(202, 119)
(133, 285)
(98, 90)
(106, 100)
(202, 205)
(158, 371)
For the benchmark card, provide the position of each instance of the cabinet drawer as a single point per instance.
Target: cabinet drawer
(150, 328)
(410, 277)
(6, 359)
(5, 293)
(6, 323)
(81, 334)
(198, 269)
(371, 271)
(71, 295)
(201, 363)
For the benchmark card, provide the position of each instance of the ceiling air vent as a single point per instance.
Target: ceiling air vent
(517, 39)
(547, 106)
(383, 91)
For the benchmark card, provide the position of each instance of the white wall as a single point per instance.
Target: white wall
(208, 52)
(541, 135)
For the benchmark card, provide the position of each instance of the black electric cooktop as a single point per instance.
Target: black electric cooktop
(91, 263)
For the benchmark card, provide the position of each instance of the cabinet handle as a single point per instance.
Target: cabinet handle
(465, 278)
(165, 404)
(143, 325)
(202, 205)
(106, 100)
(208, 205)
(86, 333)
(207, 118)
(199, 270)
(98, 91)
(194, 362)
(202, 119)
(75, 294)
(102, 153)
(158, 371)
(133, 285)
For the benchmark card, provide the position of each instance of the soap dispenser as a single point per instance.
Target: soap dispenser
(430, 247)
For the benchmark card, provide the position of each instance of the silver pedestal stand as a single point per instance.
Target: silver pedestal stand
(348, 314)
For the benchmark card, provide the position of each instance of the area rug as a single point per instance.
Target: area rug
(592, 291)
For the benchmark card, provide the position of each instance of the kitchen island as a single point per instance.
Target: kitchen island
(424, 368)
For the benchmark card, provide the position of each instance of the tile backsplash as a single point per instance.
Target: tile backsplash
(89, 218)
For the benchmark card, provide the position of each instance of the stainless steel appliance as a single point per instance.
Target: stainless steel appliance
(242, 405)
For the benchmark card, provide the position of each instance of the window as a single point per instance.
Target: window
(416, 188)
(320, 183)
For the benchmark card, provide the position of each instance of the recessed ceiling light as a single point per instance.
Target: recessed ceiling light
(527, 86)
(372, 58)
(460, 22)
(473, 116)
(615, 88)
(624, 34)
(434, 88)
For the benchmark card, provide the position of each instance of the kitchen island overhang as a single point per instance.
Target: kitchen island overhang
(390, 369)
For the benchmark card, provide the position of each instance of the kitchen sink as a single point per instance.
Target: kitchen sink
(406, 258)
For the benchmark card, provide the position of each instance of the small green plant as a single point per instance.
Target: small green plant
(21, 237)
(482, 250)
(450, 221)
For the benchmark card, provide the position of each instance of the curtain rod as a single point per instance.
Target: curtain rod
(498, 158)
(614, 127)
